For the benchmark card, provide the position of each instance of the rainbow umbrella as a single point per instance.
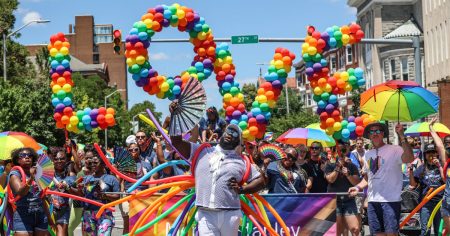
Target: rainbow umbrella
(12, 140)
(398, 100)
(24, 138)
(306, 136)
(422, 129)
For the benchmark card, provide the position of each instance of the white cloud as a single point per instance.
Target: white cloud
(158, 56)
(30, 16)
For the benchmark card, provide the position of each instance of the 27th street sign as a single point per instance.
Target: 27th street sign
(244, 39)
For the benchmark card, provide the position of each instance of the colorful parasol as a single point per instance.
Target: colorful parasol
(306, 136)
(272, 151)
(24, 138)
(422, 129)
(398, 100)
(44, 171)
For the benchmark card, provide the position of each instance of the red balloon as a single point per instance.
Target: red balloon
(68, 111)
(252, 121)
(102, 111)
(323, 116)
(57, 116)
(101, 119)
(359, 130)
(241, 107)
(316, 35)
(229, 111)
(358, 121)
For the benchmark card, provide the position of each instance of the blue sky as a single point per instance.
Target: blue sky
(279, 19)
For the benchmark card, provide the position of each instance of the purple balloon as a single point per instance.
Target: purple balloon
(353, 135)
(196, 17)
(93, 114)
(317, 67)
(60, 108)
(320, 110)
(165, 22)
(326, 48)
(128, 38)
(152, 73)
(351, 119)
(249, 114)
(228, 119)
(159, 9)
(325, 36)
(236, 114)
(260, 119)
(329, 108)
(309, 71)
(94, 124)
(207, 63)
(219, 83)
(134, 39)
(60, 69)
(142, 82)
(146, 43)
(190, 26)
(229, 78)
(277, 84)
(178, 81)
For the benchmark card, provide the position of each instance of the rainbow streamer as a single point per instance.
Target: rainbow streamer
(272, 151)
(44, 171)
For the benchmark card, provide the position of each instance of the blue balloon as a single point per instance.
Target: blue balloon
(67, 101)
(87, 110)
(359, 73)
(198, 27)
(332, 42)
(54, 64)
(144, 73)
(332, 99)
(351, 126)
(134, 31)
(268, 115)
(361, 82)
(55, 102)
(244, 118)
(176, 90)
(87, 127)
(234, 122)
(323, 62)
(199, 66)
(65, 63)
(226, 86)
(86, 119)
(330, 31)
(321, 104)
(207, 72)
(143, 36)
(256, 111)
(345, 133)
(167, 14)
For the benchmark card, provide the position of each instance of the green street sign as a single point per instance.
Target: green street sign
(244, 39)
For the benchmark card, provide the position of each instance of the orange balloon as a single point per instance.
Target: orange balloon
(322, 82)
(253, 130)
(269, 95)
(277, 56)
(330, 122)
(340, 83)
(226, 67)
(111, 111)
(234, 101)
(366, 121)
(261, 91)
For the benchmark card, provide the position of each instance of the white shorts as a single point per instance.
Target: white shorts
(218, 222)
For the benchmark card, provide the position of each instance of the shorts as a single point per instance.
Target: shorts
(346, 207)
(25, 221)
(445, 208)
(124, 208)
(384, 217)
(102, 226)
(62, 216)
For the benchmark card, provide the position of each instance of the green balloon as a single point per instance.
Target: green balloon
(147, 65)
(264, 107)
(338, 35)
(193, 34)
(201, 76)
(352, 80)
(351, 71)
(69, 95)
(337, 135)
(61, 94)
(344, 124)
(339, 44)
(80, 126)
(142, 27)
(192, 70)
(271, 69)
(80, 115)
(205, 28)
(317, 57)
(234, 91)
(67, 57)
(325, 96)
(317, 98)
(173, 19)
(171, 83)
(243, 125)
(281, 73)
(150, 33)
(306, 57)
(135, 69)
(255, 104)
(53, 95)
(172, 9)
(222, 53)
(59, 57)
(336, 28)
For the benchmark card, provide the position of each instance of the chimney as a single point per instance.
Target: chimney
(70, 28)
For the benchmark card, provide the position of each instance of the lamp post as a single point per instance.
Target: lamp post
(106, 100)
(134, 122)
(5, 36)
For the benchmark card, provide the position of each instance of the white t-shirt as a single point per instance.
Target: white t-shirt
(385, 184)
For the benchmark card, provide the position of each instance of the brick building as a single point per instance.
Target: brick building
(92, 47)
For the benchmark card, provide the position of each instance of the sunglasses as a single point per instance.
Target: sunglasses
(315, 148)
(25, 154)
(59, 159)
(141, 137)
(292, 157)
(136, 149)
(375, 131)
(232, 132)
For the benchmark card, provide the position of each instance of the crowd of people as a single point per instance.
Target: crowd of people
(366, 165)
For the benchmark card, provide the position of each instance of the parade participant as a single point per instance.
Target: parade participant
(357, 155)
(5, 167)
(315, 167)
(31, 214)
(429, 175)
(221, 169)
(284, 176)
(384, 178)
(73, 162)
(141, 139)
(214, 124)
(94, 187)
(62, 183)
(341, 175)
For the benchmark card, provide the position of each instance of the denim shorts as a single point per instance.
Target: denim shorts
(26, 221)
(384, 217)
(346, 207)
(62, 216)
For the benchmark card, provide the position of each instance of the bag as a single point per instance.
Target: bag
(410, 198)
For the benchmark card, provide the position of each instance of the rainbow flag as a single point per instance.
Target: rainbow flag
(304, 214)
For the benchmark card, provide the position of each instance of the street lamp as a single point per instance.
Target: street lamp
(5, 36)
(106, 100)
(134, 121)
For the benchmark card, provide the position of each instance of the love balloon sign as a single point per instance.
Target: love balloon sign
(327, 88)
(209, 58)
(61, 74)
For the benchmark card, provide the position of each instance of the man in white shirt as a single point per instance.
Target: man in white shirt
(383, 165)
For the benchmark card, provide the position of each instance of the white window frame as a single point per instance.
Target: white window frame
(392, 71)
(333, 68)
(349, 62)
(407, 68)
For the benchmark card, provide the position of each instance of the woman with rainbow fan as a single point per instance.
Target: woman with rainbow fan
(31, 214)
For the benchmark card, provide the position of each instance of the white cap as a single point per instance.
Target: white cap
(130, 140)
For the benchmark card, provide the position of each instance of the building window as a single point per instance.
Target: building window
(405, 70)
(309, 99)
(384, 72)
(103, 29)
(96, 59)
(103, 39)
(341, 60)
(333, 63)
(349, 54)
(392, 69)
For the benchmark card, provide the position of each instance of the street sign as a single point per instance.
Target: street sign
(244, 39)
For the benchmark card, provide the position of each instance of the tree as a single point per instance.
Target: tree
(295, 104)
(356, 99)
(279, 125)
(139, 108)
(249, 92)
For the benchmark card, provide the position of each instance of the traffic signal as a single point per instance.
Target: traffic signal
(117, 35)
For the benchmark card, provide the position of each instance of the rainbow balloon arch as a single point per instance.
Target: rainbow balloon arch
(212, 58)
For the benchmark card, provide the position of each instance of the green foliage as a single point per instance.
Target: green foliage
(7, 18)
(295, 104)
(356, 99)
(281, 124)
(249, 92)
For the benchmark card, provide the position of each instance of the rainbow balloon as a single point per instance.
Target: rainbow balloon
(272, 151)
(62, 97)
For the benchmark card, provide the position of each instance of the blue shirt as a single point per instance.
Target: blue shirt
(32, 201)
(93, 185)
(279, 183)
(429, 177)
(142, 168)
(355, 160)
(58, 201)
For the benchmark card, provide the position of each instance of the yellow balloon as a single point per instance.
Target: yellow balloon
(148, 23)
(348, 87)
(160, 95)
(272, 62)
(305, 47)
(240, 96)
(181, 14)
(312, 51)
(328, 88)
(272, 103)
(165, 87)
(67, 88)
(131, 61)
(262, 99)
(53, 52)
(337, 126)
(64, 51)
(279, 64)
(329, 131)
(56, 88)
(344, 76)
(74, 120)
(228, 60)
(227, 97)
(201, 36)
(317, 90)
(140, 60)
(245, 133)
